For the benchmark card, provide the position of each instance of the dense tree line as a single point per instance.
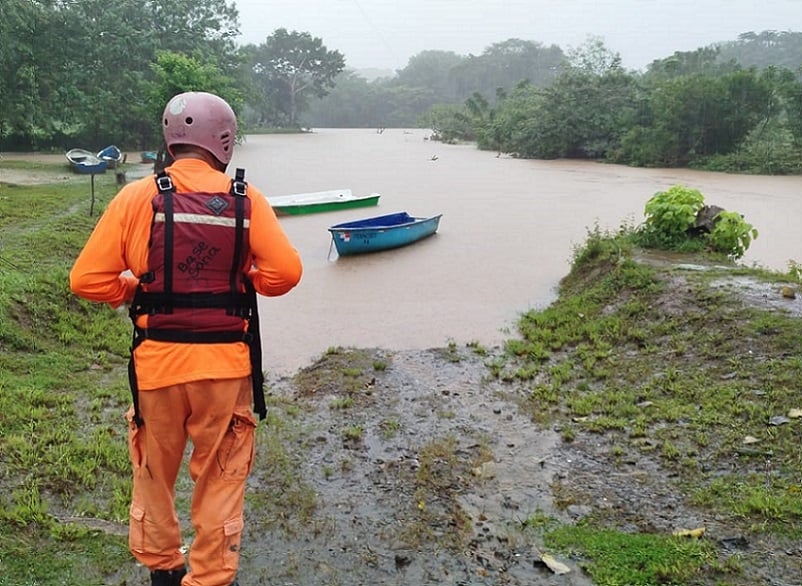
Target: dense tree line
(90, 73)
(433, 78)
(83, 70)
(86, 73)
(694, 109)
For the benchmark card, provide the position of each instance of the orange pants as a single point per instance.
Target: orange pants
(216, 416)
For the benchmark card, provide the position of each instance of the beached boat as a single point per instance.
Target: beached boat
(85, 162)
(320, 201)
(112, 155)
(149, 156)
(382, 232)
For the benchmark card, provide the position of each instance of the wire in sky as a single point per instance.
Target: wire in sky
(376, 30)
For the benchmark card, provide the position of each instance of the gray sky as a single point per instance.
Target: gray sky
(386, 33)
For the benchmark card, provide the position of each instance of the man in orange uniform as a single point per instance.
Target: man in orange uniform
(189, 249)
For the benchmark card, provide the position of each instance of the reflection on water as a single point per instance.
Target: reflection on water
(507, 235)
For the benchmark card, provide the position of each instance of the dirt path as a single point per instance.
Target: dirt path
(435, 491)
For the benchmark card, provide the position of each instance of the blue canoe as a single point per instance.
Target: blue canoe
(112, 155)
(149, 156)
(85, 162)
(381, 232)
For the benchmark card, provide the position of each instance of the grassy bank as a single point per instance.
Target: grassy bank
(687, 366)
(61, 391)
(684, 367)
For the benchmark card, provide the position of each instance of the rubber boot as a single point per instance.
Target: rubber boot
(167, 577)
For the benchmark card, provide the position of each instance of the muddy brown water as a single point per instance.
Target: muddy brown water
(508, 232)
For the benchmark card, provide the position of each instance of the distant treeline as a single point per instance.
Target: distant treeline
(735, 106)
(78, 74)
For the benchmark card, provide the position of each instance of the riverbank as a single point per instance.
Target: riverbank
(654, 446)
(656, 395)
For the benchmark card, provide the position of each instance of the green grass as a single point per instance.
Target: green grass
(669, 367)
(348, 373)
(616, 558)
(32, 556)
(62, 392)
(290, 499)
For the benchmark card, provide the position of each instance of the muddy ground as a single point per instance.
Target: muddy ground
(446, 475)
(440, 485)
(393, 506)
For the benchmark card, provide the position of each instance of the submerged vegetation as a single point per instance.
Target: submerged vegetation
(669, 372)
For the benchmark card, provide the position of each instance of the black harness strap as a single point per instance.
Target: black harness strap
(238, 191)
(187, 337)
(152, 303)
(132, 383)
(166, 188)
(257, 376)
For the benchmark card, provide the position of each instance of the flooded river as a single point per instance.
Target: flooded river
(507, 235)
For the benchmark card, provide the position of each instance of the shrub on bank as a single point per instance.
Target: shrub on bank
(678, 219)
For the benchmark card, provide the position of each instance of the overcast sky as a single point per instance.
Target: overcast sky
(386, 33)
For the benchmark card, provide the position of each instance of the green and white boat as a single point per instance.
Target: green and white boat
(320, 201)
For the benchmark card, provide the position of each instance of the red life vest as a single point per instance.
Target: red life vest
(197, 261)
(196, 289)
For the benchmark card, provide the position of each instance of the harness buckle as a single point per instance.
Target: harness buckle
(239, 188)
(164, 183)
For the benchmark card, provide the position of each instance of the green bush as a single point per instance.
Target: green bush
(731, 234)
(669, 216)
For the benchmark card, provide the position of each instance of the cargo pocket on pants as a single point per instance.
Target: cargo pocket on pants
(235, 456)
(136, 529)
(232, 529)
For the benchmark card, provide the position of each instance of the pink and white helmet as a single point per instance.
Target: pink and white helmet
(200, 119)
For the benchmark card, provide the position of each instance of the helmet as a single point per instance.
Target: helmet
(200, 119)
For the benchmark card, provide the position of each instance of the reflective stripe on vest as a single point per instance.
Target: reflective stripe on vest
(201, 219)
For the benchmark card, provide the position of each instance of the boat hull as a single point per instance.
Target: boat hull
(85, 163)
(112, 156)
(87, 169)
(382, 233)
(148, 156)
(321, 201)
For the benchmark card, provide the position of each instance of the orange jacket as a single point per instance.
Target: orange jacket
(119, 243)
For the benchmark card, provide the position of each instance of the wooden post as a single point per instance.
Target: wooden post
(92, 205)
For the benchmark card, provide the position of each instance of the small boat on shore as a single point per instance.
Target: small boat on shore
(382, 232)
(320, 201)
(85, 162)
(112, 155)
(148, 156)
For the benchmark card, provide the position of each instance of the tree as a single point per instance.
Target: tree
(73, 72)
(703, 61)
(768, 48)
(194, 27)
(289, 68)
(431, 70)
(176, 73)
(594, 57)
(17, 70)
(504, 65)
